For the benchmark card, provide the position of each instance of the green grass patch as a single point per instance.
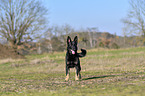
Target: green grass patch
(104, 73)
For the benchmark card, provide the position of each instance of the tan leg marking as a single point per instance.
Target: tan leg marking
(67, 77)
(76, 78)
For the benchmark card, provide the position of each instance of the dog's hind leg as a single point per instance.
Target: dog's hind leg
(67, 74)
(78, 75)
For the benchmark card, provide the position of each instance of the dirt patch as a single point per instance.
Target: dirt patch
(6, 52)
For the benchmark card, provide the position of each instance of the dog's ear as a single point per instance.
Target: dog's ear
(76, 39)
(68, 40)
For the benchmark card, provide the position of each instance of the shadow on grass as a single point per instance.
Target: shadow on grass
(96, 77)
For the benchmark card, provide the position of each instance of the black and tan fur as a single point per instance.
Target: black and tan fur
(72, 57)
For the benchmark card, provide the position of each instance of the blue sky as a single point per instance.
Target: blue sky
(104, 14)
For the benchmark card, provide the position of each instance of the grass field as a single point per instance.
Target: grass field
(104, 73)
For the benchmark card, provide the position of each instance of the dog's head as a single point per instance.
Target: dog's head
(72, 45)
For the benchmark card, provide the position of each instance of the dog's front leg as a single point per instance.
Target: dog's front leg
(67, 74)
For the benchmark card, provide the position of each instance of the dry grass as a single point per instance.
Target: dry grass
(104, 72)
(2, 61)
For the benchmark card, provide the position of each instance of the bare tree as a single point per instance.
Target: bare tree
(91, 37)
(58, 31)
(67, 29)
(135, 20)
(20, 19)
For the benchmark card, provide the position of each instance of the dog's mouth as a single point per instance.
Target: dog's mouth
(73, 52)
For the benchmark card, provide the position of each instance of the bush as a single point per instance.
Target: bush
(57, 45)
(101, 44)
(115, 46)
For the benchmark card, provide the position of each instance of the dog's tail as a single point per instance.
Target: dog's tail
(83, 53)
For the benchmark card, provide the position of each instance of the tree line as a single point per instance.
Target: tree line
(24, 24)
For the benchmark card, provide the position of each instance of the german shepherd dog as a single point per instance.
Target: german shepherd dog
(72, 57)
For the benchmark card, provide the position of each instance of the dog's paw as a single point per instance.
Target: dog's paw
(76, 78)
(67, 78)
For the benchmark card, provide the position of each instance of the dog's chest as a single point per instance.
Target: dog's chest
(72, 61)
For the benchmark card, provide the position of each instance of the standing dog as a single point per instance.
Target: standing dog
(72, 57)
